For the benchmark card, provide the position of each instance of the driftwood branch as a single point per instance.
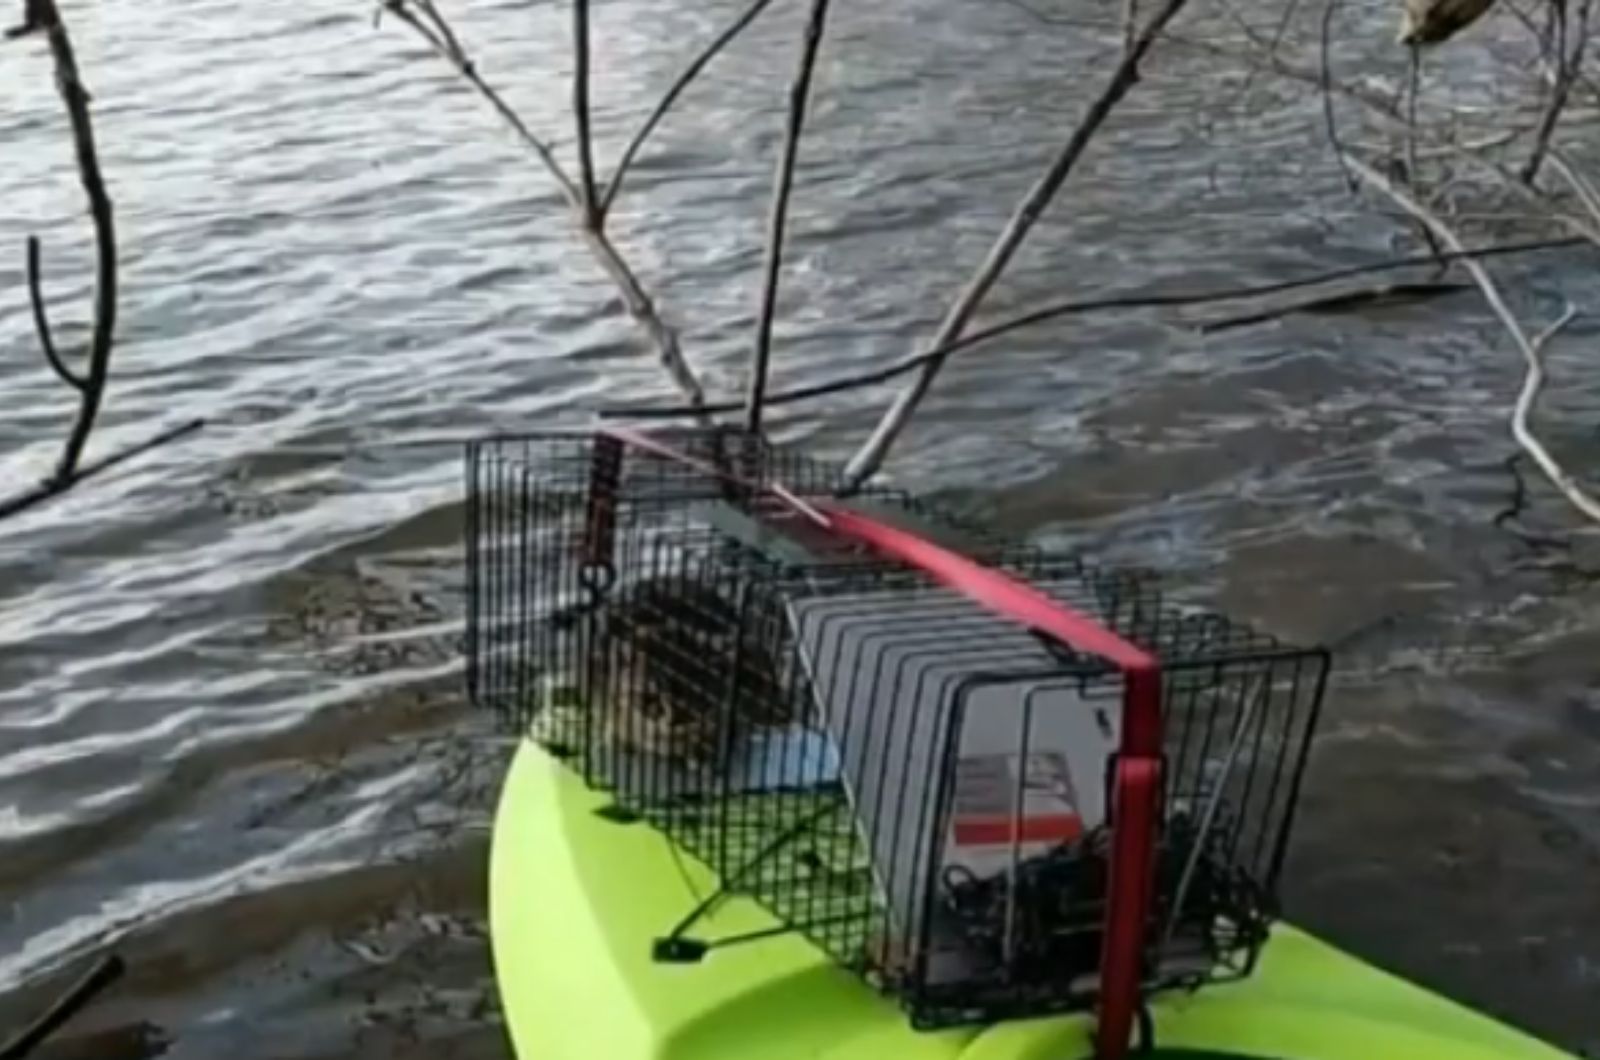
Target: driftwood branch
(424, 17)
(777, 221)
(1079, 307)
(868, 460)
(692, 71)
(1532, 349)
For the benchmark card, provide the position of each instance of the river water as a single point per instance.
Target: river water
(233, 745)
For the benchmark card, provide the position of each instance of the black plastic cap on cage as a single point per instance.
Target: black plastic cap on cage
(674, 950)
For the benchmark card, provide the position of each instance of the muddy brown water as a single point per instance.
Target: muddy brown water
(233, 743)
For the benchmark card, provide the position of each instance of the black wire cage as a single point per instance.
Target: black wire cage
(921, 786)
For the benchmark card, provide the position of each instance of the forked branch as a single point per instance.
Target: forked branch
(90, 386)
(1568, 65)
(424, 18)
(1582, 186)
(777, 222)
(1033, 205)
(685, 79)
(1092, 306)
(589, 197)
(1532, 348)
(43, 17)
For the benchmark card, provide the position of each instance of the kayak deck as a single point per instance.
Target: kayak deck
(576, 899)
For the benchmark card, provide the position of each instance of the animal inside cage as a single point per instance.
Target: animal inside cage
(831, 703)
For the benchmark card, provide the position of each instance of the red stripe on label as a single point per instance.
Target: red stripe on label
(978, 831)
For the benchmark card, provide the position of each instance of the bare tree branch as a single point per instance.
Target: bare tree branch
(1384, 294)
(1078, 307)
(1265, 57)
(53, 487)
(1568, 65)
(1532, 349)
(1587, 193)
(424, 17)
(589, 203)
(41, 321)
(33, 19)
(782, 184)
(433, 28)
(690, 72)
(1329, 119)
(107, 970)
(643, 310)
(44, 16)
(867, 461)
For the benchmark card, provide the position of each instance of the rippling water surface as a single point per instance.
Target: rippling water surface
(232, 741)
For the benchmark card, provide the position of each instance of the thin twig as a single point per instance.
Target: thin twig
(103, 973)
(1077, 307)
(1532, 349)
(1326, 87)
(33, 19)
(1567, 68)
(1587, 193)
(777, 221)
(1517, 505)
(442, 40)
(432, 26)
(867, 461)
(41, 321)
(1413, 92)
(690, 72)
(1266, 59)
(1345, 301)
(1537, 199)
(43, 15)
(55, 485)
(580, 112)
(1550, 71)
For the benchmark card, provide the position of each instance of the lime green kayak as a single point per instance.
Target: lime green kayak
(575, 899)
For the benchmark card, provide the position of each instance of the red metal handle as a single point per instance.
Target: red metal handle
(1136, 784)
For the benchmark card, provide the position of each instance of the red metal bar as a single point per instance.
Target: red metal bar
(1136, 807)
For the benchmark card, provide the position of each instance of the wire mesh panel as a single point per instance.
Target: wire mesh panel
(916, 783)
(555, 523)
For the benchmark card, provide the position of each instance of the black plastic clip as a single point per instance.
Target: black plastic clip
(677, 950)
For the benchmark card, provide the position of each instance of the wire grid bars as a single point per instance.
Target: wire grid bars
(975, 755)
(916, 784)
